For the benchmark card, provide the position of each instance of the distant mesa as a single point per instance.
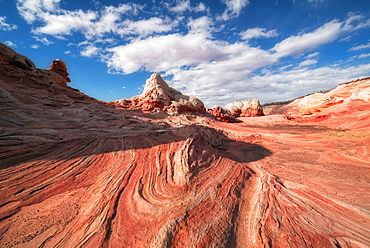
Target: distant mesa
(157, 96)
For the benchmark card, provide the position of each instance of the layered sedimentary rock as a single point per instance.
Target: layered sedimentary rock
(345, 106)
(78, 172)
(245, 108)
(17, 66)
(222, 114)
(60, 67)
(158, 95)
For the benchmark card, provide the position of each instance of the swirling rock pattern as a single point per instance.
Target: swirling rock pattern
(77, 172)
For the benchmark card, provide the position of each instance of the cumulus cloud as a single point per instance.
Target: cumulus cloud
(90, 51)
(257, 33)
(4, 26)
(233, 8)
(181, 6)
(31, 9)
(308, 41)
(202, 24)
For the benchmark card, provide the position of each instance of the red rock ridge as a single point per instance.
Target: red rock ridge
(346, 106)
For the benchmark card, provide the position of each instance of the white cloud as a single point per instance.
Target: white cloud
(43, 40)
(200, 7)
(30, 9)
(360, 47)
(90, 51)
(95, 24)
(201, 25)
(34, 46)
(6, 26)
(233, 8)
(308, 62)
(144, 28)
(308, 41)
(9, 43)
(181, 6)
(364, 55)
(312, 55)
(257, 33)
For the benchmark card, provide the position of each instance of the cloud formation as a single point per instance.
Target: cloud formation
(6, 26)
(253, 33)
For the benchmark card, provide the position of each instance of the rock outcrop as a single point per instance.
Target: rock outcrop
(19, 66)
(345, 106)
(222, 114)
(245, 108)
(9, 56)
(60, 67)
(158, 95)
(78, 172)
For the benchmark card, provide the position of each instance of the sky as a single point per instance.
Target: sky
(220, 51)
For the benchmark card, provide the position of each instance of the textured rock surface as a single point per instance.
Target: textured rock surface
(346, 106)
(60, 67)
(245, 108)
(222, 114)
(77, 172)
(158, 95)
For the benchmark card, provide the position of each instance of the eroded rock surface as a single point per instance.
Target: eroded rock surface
(60, 67)
(245, 108)
(157, 95)
(345, 106)
(78, 172)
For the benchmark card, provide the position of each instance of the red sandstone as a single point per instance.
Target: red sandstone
(78, 172)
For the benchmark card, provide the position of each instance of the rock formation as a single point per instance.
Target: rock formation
(9, 56)
(78, 172)
(19, 66)
(158, 95)
(345, 106)
(60, 67)
(245, 108)
(222, 114)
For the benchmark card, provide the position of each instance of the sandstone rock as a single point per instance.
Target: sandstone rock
(344, 106)
(157, 94)
(246, 108)
(6, 53)
(60, 67)
(222, 114)
(85, 174)
(9, 56)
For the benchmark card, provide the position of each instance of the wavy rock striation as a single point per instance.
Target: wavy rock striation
(78, 172)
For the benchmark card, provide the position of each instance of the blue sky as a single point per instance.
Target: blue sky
(217, 50)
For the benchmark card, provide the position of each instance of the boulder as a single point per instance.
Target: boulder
(246, 108)
(222, 114)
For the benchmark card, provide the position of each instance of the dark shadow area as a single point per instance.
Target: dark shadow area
(14, 150)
